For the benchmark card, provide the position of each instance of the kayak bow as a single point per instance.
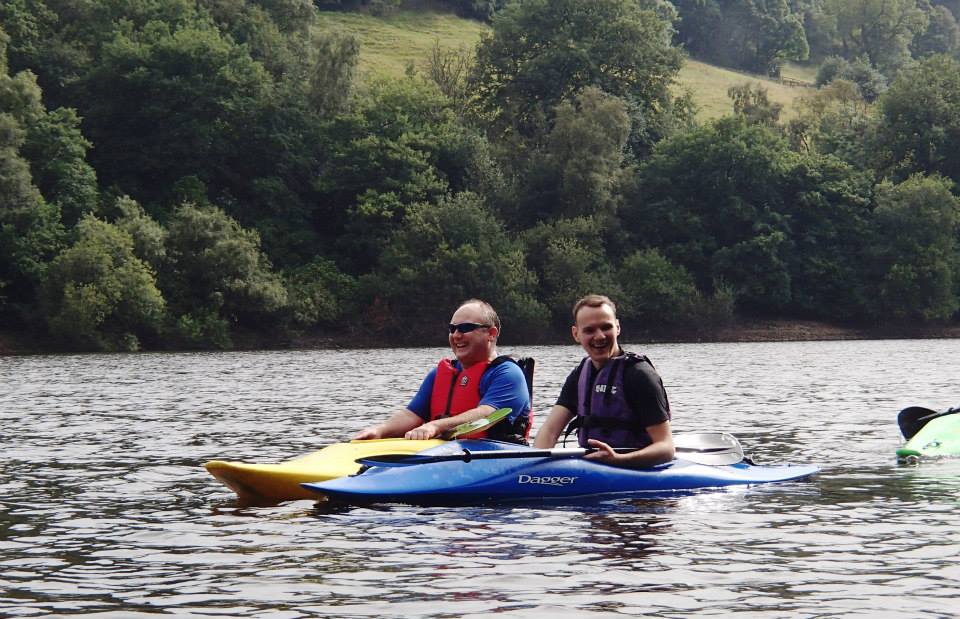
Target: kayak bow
(272, 483)
(938, 437)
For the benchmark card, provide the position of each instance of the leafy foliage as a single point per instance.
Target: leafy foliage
(919, 220)
(655, 291)
(570, 260)
(180, 100)
(753, 103)
(542, 52)
(400, 145)
(758, 36)
(869, 81)
(319, 294)
(31, 232)
(919, 128)
(98, 295)
(880, 30)
(159, 157)
(216, 267)
(441, 255)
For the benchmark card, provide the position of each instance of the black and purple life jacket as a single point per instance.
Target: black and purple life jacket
(608, 416)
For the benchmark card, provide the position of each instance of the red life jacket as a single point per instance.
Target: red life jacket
(456, 391)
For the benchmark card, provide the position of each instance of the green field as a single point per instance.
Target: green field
(390, 44)
(709, 86)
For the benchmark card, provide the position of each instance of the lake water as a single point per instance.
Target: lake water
(106, 511)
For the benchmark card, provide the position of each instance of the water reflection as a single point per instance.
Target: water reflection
(104, 507)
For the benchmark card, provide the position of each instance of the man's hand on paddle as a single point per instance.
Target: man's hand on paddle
(604, 452)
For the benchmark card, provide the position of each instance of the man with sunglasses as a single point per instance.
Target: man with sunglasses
(612, 398)
(471, 386)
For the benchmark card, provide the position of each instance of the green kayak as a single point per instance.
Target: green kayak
(931, 435)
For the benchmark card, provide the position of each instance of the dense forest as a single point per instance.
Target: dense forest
(174, 173)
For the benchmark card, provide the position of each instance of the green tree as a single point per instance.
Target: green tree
(31, 232)
(918, 222)
(57, 152)
(870, 82)
(836, 120)
(542, 52)
(48, 44)
(442, 254)
(167, 103)
(708, 189)
(319, 294)
(569, 258)
(732, 201)
(830, 226)
(220, 96)
(587, 146)
(332, 74)
(98, 295)
(655, 291)
(217, 276)
(881, 30)
(579, 169)
(919, 120)
(942, 35)
(400, 144)
(756, 35)
(757, 269)
(753, 102)
(149, 237)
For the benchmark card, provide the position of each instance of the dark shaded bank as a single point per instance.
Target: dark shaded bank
(15, 343)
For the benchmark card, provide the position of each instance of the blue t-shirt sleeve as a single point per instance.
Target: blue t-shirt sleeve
(420, 404)
(504, 386)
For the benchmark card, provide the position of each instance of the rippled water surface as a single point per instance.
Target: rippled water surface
(105, 509)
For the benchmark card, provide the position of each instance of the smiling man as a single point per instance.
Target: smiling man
(613, 398)
(471, 386)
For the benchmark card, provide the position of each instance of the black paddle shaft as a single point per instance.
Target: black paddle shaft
(466, 455)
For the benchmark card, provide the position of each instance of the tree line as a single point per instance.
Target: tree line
(173, 173)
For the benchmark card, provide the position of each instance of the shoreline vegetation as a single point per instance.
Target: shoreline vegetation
(774, 330)
(263, 176)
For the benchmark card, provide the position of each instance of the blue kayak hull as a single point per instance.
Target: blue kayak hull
(537, 479)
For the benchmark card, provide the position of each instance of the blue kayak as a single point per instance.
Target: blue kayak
(489, 478)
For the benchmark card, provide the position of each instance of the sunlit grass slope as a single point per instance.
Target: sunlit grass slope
(709, 85)
(388, 45)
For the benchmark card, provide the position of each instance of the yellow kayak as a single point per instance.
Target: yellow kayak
(272, 483)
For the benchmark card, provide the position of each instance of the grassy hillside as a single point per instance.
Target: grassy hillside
(390, 44)
(709, 86)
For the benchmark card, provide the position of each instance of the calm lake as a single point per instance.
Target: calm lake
(106, 511)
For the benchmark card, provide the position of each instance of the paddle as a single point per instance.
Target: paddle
(477, 425)
(713, 448)
(913, 418)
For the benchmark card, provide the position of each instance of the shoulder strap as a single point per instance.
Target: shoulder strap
(635, 358)
(526, 364)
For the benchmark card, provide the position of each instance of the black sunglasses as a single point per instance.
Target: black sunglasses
(466, 327)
